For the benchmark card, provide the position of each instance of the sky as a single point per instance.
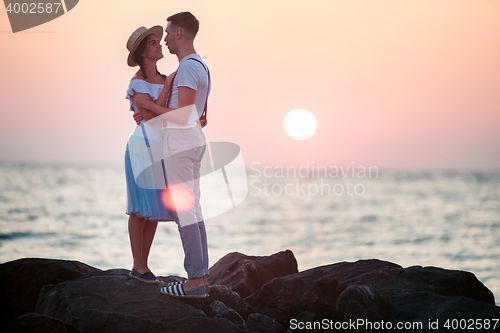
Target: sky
(412, 84)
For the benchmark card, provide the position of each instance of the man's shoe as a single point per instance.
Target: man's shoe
(178, 291)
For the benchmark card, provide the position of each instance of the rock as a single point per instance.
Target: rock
(111, 301)
(216, 307)
(233, 316)
(204, 325)
(263, 324)
(429, 306)
(447, 283)
(35, 323)
(372, 290)
(316, 290)
(362, 302)
(375, 290)
(231, 299)
(21, 281)
(220, 294)
(284, 297)
(246, 274)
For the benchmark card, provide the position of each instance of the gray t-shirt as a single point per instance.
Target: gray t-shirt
(191, 74)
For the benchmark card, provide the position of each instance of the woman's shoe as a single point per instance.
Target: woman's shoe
(147, 277)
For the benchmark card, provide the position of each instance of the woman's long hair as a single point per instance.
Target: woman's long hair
(139, 59)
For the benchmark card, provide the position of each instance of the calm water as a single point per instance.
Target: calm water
(445, 219)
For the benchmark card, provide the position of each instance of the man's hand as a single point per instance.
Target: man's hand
(141, 100)
(138, 117)
(203, 120)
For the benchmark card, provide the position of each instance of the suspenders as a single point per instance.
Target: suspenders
(204, 113)
(203, 117)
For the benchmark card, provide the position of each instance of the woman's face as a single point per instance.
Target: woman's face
(153, 48)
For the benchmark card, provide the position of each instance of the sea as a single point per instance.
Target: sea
(448, 219)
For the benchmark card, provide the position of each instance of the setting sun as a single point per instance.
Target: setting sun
(300, 124)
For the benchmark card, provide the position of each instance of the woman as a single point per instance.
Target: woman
(144, 188)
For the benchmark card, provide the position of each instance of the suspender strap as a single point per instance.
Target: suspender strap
(208, 88)
(204, 113)
(170, 91)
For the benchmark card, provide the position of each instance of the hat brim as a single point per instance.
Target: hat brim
(156, 30)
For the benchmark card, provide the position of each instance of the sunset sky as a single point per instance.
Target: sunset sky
(400, 84)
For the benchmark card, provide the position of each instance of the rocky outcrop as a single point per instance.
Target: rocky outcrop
(247, 274)
(36, 323)
(247, 294)
(111, 301)
(21, 281)
(377, 291)
(317, 290)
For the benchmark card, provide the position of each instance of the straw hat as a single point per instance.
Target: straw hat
(137, 37)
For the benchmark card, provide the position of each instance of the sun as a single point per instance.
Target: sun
(300, 124)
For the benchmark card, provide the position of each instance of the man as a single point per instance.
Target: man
(184, 146)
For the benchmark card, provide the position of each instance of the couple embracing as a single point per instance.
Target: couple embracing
(164, 153)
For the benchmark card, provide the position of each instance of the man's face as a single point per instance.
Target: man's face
(170, 40)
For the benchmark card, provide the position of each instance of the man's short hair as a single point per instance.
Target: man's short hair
(185, 20)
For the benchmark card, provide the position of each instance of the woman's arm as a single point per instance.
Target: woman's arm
(180, 115)
(161, 101)
(145, 113)
(186, 98)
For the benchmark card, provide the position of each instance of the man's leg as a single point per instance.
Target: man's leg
(197, 206)
(193, 251)
(204, 248)
(182, 171)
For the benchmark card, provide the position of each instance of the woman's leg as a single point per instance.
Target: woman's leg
(135, 232)
(149, 231)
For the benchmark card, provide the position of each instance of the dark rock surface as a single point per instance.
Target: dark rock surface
(246, 274)
(36, 323)
(111, 301)
(21, 281)
(375, 290)
(316, 290)
(263, 324)
(79, 298)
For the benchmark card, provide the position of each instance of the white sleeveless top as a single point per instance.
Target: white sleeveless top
(145, 143)
(143, 87)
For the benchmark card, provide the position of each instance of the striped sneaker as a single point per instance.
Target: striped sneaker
(178, 291)
(181, 282)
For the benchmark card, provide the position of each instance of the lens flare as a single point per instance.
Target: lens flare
(178, 197)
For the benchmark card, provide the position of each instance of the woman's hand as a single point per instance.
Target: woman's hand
(138, 118)
(141, 100)
(169, 81)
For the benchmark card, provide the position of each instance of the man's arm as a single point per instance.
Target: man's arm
(186, 98)
(179, 115)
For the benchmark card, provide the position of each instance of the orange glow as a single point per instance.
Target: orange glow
(399, 84)
(178, 197)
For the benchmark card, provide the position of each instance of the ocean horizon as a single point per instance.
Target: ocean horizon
(442, 218)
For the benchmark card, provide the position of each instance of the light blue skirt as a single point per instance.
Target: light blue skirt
(146, 203)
